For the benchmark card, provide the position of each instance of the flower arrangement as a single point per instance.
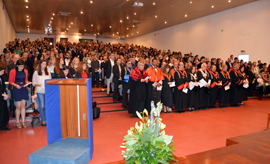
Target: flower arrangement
(147, 141)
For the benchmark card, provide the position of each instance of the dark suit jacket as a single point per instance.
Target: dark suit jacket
(109, 68)
(116, 73)
(228, 66)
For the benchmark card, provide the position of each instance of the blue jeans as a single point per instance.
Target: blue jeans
(42, 110)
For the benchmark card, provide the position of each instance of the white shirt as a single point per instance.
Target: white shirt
(112, 63)
(40, 80)
(67, 62)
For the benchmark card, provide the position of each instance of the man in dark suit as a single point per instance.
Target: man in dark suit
(29, 63)
(4, 117)
(109, 72)
(229, 64)
(95, 70)
(118, 75)
(126, 85)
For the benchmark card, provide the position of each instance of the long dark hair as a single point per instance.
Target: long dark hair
(19, 62)
(39, 68)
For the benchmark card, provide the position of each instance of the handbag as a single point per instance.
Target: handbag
(35, 122)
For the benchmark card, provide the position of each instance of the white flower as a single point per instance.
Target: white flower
(136, 126)
(138, 114)
(123, 147)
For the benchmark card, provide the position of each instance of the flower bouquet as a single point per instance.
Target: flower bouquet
(147, 142)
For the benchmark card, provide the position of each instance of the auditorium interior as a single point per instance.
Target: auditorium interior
(77, 76)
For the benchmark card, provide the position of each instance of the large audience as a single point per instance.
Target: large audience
(136, 75)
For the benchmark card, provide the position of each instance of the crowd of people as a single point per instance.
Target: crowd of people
(138, 74)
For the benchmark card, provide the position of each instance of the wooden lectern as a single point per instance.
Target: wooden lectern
(69, 110)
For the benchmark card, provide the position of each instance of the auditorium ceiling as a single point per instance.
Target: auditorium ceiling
(108, 18)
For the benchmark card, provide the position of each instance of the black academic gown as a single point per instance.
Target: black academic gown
(126, 86)
(4, 115)
(251, 77)
(235, 88)
(213, 89)
(242, 89)
(204, 91)
(180, 97)
(193, 95)
(224, 95)
(166, 93)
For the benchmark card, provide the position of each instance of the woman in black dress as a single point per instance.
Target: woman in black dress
(193, 95)
(19, 81)
(166, 93)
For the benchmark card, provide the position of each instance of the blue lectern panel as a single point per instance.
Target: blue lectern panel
(90, 117)
(52, 103)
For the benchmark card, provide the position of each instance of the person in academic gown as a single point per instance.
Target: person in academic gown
(244, 79)
(224, 95)
(251, 79)
(172, 72)
(235, 90)
(204, 90)
(126, 84)
(181, 82)
(193, 95)
(166, 93)
(154, 83)
(118, 75)
(138, 93)
(4, 115)
(214, 87)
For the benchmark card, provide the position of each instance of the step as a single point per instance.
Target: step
(99, 94)
(104, 100)
(99, 89)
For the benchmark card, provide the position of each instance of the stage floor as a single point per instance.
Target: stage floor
(193, 132)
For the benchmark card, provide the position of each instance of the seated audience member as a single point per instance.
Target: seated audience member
(4, 114)
(19, 81)
(82, 71)
(39, 77)
(74, 66)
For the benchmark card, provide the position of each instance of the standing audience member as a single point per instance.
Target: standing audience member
(166, 93)
(95, 71)
(204, 89)
(224, 93)
(118, 75)
(18, 80)
(109, 73)
(235, 99)
(39, 77)
(193, 94)
(126, 85)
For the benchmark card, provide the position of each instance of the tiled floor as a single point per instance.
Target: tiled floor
(193, 132)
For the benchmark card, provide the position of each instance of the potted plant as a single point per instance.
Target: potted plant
(147, 141)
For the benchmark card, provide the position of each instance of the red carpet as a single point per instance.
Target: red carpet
(193, 132)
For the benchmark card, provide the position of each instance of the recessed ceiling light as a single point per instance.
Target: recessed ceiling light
(26, 7)
(190, 2)
(68, 26)
(212, 6)
(49, 25)
(127, 17)
(137, 32)
(50, 21)
(98, 33)
(112, 34)
(155, 16)
(135, 13)
(27, 19)
(71, 23)
(81, 12)
(154, 3)
(27, 16)
(132, 34)
(127, 35)
(165, 22)
(229, 1)
(121, 21)
(186, 15)
(133, 26)
(110, 26)
(26, 0)
(91, 24)
(117, 32)
(53, 14)
(51, 18)
(27, 26)
(84, 29)
(127, 28)
(91, 1)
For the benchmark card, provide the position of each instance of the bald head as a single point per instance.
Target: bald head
(204, 66)
(16, 57)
